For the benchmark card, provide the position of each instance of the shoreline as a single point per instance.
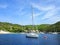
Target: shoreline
(6, 32)
(27, 33)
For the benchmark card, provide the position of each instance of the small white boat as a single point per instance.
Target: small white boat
(32, 35)
(54, 33)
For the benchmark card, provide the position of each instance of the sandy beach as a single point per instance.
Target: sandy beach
(4, 32)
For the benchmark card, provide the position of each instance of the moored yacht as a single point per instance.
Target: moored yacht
(55, 33)
(32, 35)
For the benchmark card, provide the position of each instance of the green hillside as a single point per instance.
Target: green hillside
(19, 28)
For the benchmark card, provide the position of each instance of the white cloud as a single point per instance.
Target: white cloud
(49, 10)
(20, 12)
(43, 8)
(35, 15)
(52, 13)
(49, 14)
(3, 6)
(54, 19)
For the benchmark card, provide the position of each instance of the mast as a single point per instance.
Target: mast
(32, 19)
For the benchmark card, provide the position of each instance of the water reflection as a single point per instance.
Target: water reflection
(20, 39)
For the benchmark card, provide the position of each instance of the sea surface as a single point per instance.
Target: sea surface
(20, 39)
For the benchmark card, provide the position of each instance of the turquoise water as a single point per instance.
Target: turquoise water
(20, 39)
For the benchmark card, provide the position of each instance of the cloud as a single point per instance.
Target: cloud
(20, 12)
(35, 15)
(53, 19)
(49, 10)
(49, 14)
(3, 6)
(43, 8)
(52, 13)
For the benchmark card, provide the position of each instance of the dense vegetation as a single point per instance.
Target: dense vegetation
(19, 28)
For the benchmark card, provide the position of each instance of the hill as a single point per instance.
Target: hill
(19, 28)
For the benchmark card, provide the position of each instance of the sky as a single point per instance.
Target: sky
(20, 11)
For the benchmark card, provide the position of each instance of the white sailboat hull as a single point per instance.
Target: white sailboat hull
(55, 33)
(32, 35)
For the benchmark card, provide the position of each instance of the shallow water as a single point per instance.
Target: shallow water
(20, 39)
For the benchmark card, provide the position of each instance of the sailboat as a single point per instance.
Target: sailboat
(32, 34)
(54, 31)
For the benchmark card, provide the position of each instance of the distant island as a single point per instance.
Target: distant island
(16, 28)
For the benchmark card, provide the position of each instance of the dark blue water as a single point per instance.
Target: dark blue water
(20, 39)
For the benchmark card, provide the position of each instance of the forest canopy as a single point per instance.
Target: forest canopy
(25, 28)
